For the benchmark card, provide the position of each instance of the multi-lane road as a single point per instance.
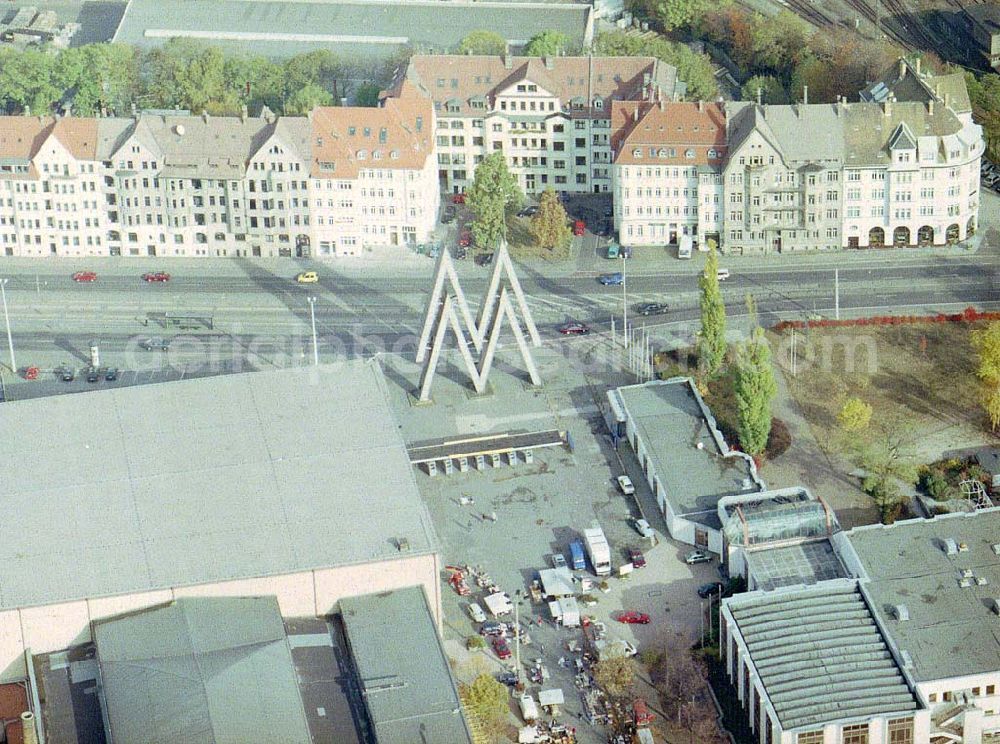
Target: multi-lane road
(257, 309)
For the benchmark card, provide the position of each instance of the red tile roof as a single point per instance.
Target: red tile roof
(656, 129)
(397, 135)
(21, 137)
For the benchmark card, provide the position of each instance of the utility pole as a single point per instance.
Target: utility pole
(836, 294)
(6, 318)
(517, 633)
(624, 305)
(312, 315)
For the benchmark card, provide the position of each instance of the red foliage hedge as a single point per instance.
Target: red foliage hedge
(969, 315)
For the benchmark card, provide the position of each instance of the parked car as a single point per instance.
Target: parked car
(625, 485)
(458, 198)
(156, 276)
(507, 678)
(501, 647)
(460, 253)
(530, 211)
(609, 280)
(633, 617)
(636, 558)
(465, 239)
(696, 556)
(484, 259)
(558, 560)
(643, 528)
(111, 374)
(574, 329)
(651, 308)
(493, 628)
(155, 344)
(579, 227)
(723, 274)
(307, 277)
(85, 276)
(449, 214)
(476, 613)
(93, 374)
(66, 373)
(712, 587)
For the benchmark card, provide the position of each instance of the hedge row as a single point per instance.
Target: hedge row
(969, 315)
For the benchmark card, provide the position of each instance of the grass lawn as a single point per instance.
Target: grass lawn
(923, 374)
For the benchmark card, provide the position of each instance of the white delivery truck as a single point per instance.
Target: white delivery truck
(685, 243)
(598, 549)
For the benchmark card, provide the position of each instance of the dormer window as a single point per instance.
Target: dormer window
(598, 103)
(361, 154)
(351, 131)
(712, 154)
(637, 153)
(377, 155)
(394, 154)
(689, 153)
(662, 153)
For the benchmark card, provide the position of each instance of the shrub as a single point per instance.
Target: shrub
(935, 485)
(475, 642)
(779, 440)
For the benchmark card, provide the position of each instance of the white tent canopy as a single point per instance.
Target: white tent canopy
(557, 582)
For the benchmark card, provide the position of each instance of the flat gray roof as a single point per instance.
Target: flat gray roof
(283, 28)
(201, 670)
(820, 655)
(803, 564)
(672, 421)
(403, 672)
(952, 629)
(173, 484)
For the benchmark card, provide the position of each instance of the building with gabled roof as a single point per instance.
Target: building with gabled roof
(906, 81)
(667, 170)
(551, 116)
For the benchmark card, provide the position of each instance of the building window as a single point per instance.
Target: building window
(901, 731)
(991, 689)
(855, 734)
(810, 737)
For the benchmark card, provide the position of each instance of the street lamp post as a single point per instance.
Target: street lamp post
(312, 316)
(517, 633)
(6, 318)
(624, 305)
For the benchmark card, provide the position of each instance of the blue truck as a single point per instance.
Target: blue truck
(576, 557)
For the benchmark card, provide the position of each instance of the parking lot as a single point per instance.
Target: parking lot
(540, 508)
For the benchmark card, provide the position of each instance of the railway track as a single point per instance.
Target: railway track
(807, 10)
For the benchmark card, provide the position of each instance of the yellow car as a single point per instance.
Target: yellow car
(307, 277)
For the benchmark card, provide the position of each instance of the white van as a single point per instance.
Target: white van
(684, 246)
(722, 274)
(476, 613)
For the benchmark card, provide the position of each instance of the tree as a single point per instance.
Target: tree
(307, 98)
(855, 415)
(493, 192)
(677, 14)
(677, 674)
(188, 74)
(547, 44)
(482, 42)
(693, 68)
(615, 675)
(712, 339)
(771, 90)
(27, 80)
(366, 94)
(549, 225)
(486, 700)
(884, 451)
(755, 388)
(986, 342)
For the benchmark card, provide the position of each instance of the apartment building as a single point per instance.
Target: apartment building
(550, 116)
(374, 176)
(164, 184)
(667, 170)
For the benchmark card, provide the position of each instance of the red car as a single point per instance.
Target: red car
(579, 227)
(85, 276)
(501, 647)
(156, 276)
(636, 558)
(465, 239)
(458, 199)
(574, 329)
(632, 617)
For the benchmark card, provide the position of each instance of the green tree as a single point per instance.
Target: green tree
(693, 68)
(493, 192)
(482, 42)
(712, 338)
(366, 94)
(547, 44)
(27, 80)
(549, 225)
(986, 342)
(188, 74)
(771, 90)
(253, 82)
(486, 700)
(677, 14)
(755, 388)
(855, 415)
(306, 98)
(111, 79)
